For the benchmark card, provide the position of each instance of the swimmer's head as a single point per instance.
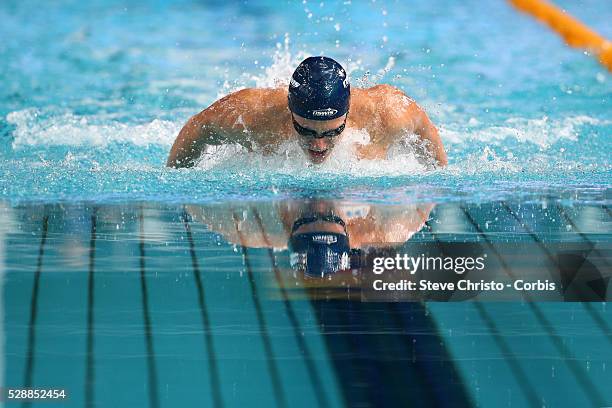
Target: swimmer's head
(319, 98)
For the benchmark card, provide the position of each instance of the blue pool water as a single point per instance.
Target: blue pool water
(89, 106)
(165, 305)
(130, 284)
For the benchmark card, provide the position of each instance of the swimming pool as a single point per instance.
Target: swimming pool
(127, 283)
(154, 305)
(89, 110)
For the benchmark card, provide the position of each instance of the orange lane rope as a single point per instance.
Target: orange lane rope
(573, 31)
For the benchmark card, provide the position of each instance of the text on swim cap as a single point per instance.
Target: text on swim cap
(325, 112)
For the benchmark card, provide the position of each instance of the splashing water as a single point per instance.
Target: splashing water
(101, 125)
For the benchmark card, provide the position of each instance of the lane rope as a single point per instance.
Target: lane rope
(575, 33)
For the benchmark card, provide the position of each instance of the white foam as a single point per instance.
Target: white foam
(34, 128)
(485, 161)
(291, 160)
(542, 132)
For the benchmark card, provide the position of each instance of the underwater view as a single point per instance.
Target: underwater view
(249, 277)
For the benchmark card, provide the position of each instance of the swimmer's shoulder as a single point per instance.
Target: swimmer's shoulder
(261, 94)
(253, 107)
(387, 106)
(262, 102)
(263, 115)
(390, 97)
(268, 112)
(253, 97)
(383, 107)
(379, 97)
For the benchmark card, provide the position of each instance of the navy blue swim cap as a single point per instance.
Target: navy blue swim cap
(319, 89)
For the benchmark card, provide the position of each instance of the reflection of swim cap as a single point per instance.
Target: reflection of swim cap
(318, 254)
(319, 89)
(321, 253)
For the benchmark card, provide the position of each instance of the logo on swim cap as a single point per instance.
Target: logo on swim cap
(293, 83)
(325, 239)
(323, 113)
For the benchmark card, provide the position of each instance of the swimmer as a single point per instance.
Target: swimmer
(314, 111)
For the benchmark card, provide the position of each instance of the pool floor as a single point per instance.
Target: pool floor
(146, 304)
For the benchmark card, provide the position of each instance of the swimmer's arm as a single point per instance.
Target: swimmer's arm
(198, 132)
(426, 130)
(407, 116)
(220, 123)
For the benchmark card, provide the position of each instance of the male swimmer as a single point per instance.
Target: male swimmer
(314, 111)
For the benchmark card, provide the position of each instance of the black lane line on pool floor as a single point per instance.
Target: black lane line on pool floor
(603, 325)
(567, 355)
(89, 363)
(215, 383)
(587, 305)
(509, 357)
(153, 382)
(263, 328)
(356, 385)
(582, 235)
(362, 383)
(29, 368)
(411, 374)
(431, 372)
(590, 390)
(315, 380)
(361, 377)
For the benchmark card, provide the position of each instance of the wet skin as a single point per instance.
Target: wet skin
(259, 119)
(381, 223)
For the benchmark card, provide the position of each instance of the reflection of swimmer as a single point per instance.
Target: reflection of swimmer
(319, 101)
(323, 237)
